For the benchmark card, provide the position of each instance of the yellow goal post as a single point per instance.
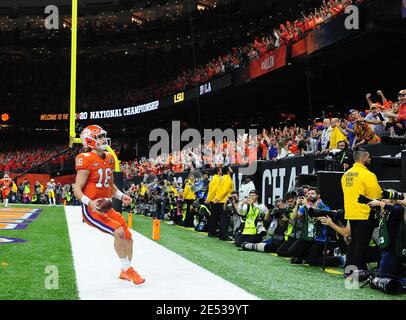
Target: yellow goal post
(72, 111)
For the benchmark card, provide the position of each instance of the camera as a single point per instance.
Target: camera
(392, 194)
(387, 285)
(333, 214)
(280, 213)
(231, 199)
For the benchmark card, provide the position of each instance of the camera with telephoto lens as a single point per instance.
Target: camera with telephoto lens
(280, 213)
(387, 285)
(333, 214)
(231, 199)
(392, 194)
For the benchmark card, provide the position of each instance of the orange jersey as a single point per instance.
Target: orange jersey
(6, 184)
(5, 187)
(98, 183)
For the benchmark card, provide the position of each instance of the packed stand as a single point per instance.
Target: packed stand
(137, 81)
(382, 119)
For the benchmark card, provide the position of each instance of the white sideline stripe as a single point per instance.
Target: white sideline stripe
(168, 275)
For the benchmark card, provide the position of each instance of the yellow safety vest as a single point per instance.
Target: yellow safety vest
(250, 228)
(355, 182)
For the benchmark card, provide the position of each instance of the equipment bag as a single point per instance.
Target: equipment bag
(384, 238)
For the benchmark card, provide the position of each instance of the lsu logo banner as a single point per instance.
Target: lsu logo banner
(17, 218)
(179, 97)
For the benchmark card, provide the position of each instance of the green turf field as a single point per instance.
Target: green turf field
(262, 274)
(22, 265)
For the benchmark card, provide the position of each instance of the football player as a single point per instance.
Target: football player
(50, 192)
(94, 180)
(5, 185)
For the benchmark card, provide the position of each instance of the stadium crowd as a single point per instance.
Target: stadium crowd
(105, 26)
(357, 128)
(137, 81)
(383, 118)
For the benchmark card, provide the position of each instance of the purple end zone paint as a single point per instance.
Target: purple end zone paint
(10, 240)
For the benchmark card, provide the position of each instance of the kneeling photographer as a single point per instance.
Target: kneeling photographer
(392, 215)
(201, 215)
(279, 224)
(315, 236)
(392, 242)
(293, 225)
(253, 230)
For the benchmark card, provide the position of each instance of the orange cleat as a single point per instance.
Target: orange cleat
(132, 275)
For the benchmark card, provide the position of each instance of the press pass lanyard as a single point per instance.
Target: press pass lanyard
(342, 158)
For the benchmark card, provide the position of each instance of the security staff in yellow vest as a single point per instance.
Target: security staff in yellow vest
(253, 231)
(224, 189)
(189, 196)
(213, 186)
(355, 182)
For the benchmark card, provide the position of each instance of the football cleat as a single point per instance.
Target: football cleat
(132, 276)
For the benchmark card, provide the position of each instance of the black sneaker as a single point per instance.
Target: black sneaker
(295, 260)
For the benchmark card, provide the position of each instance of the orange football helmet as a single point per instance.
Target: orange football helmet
(94, 137)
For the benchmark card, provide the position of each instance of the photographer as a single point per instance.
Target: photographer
(230, 209)
(279, 220)
(310, 246)
(165, 198)
(202, 214)
(355, 182)
(293, 225)
(253, 230)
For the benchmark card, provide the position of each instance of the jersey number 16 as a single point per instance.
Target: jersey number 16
(106, 175)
